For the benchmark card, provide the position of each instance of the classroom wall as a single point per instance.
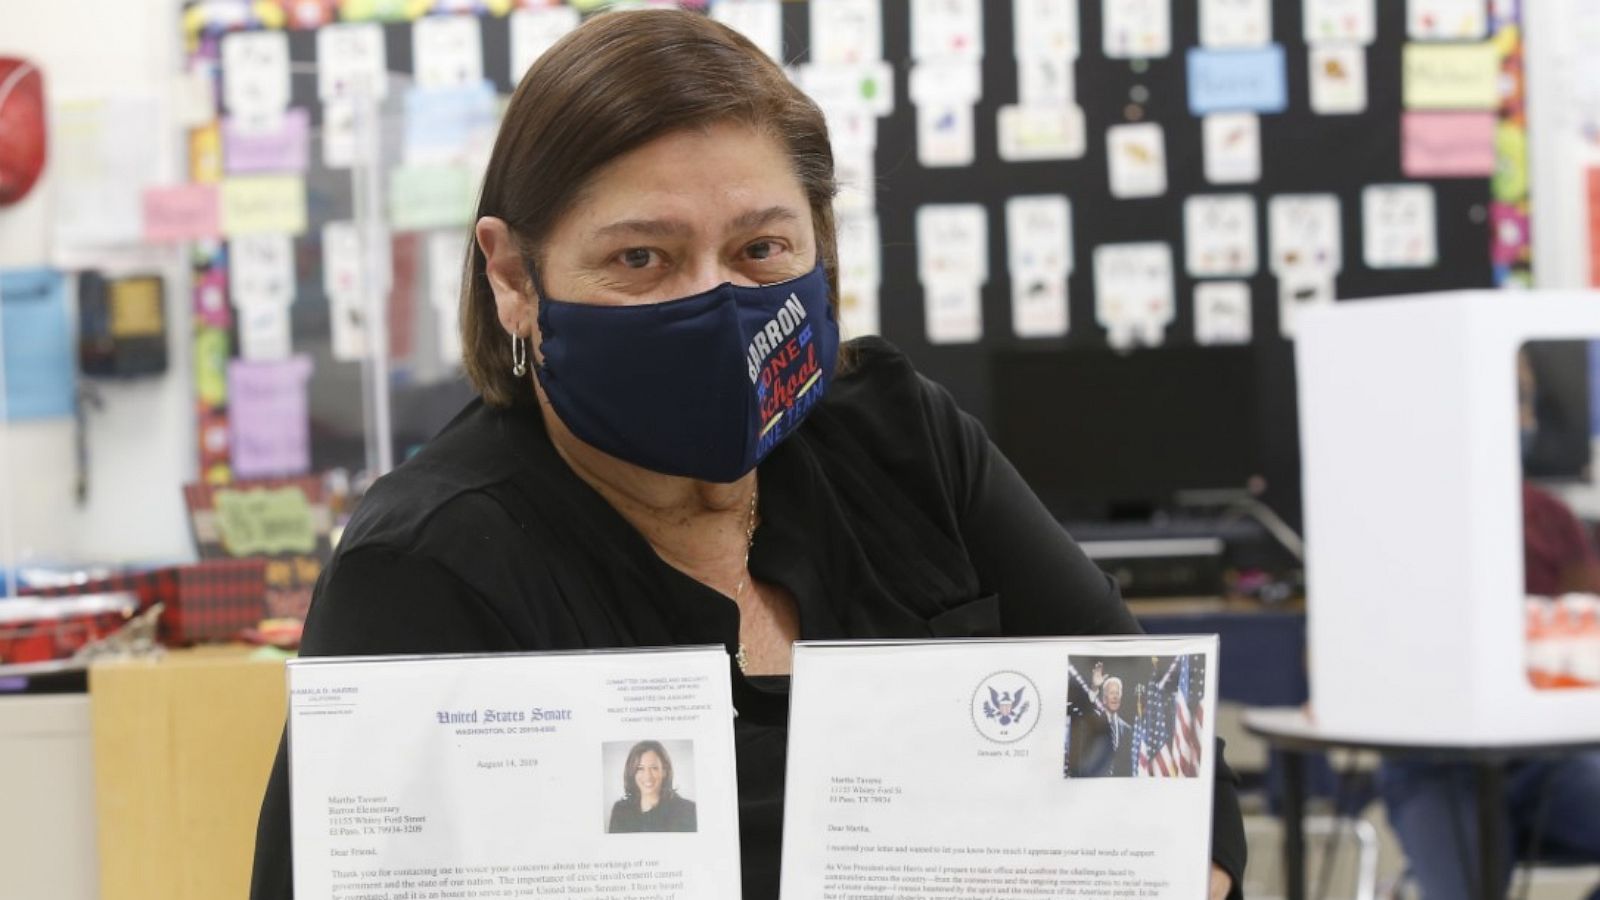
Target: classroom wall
(140, 446)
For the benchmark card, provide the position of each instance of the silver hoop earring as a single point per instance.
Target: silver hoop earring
(519, 356)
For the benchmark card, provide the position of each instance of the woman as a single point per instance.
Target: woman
(649, 801)
(642, 472)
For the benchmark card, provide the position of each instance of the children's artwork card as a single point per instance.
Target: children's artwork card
(255, 72)
(868, 87)
(1047, 81)
(945, 135)
(1299, 290)
(183, 212)
(268, 142)
(347, 326)
(1399, 226)
(264, 332)
(338, 134)
(952, 244)
(954, 83)
(1231, 143)
(1304, 233)
(1133, 288)
(261, 270)
(1235, 23)
(1136, 29)
(846, 32)
(1237, 80)
(1220, 235)
(1033, 133)
(1340, 21)
(947, 29)
(447, 51)
(1039, 306)
(953, 313)
(1039, 234)
(1338, 75)
(1045, 28)
(1221, 313)
(536, 29)
(1446, 20)
(352, 61)
(1136, 160)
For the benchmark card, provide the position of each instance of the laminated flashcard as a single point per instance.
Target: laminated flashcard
(953, 313)
(1136, 29)
(1447, 144)
(952, 243)
(347, 327)
(1045, 28)
(945, 135)
(1046, 81)
(1133, 289)
(351, 61)
(855, 174)
(1137, 160)
(1304, 233)
(1031, 133)
(1338, 76)
(1399, 226)
(255, 72)
(1039, 306)
(846, 32)
(866, 87)
(1220, 235)
(1235, 23)
(947, 29)
(1221, 312)
(1231, 143)
(1340, 21)
(933, 84)
(1250, 79)
(264, 332)
(536, 29)
(1450, 76)
(858, 309)
(447, 51)
(759, 20)
(860, 250)
(1039, 234)
(1298, 290)
(264, 204)
(261, 270)
(338, 134)
(1446, 20)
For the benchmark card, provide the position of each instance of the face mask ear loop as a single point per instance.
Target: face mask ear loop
(539, 295)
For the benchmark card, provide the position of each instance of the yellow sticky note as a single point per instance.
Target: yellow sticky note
(264, 204)
(135, 307)
(1452, 76)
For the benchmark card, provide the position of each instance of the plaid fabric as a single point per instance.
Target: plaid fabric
(212, 600)
(43, 640)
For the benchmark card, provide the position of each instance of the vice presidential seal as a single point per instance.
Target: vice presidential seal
(1005, 707)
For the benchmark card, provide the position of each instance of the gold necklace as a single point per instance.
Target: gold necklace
(742, 659)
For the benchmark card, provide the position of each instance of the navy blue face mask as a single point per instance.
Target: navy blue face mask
(702, 387)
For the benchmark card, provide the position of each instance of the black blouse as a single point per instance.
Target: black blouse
(888, 514)
(673, 813)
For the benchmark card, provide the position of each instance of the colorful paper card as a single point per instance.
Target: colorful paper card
(1340, 21)
(1305, 233)
(255, 72)
(846, 32)
(1241, 80)
(1235, 23)
(947, 29)
(1446, 20)
(1219, 235)
(1399, 226)
(1231, 143)
(38, 345)
(1136, 29)
(1447, 145)
(261, 270)
(447, 51)
(1221, 313)
(263, 204)
(181, 212)
(1045, 28)
(269, 417)
(443, 124)
(1133, 293)
(1136, 160)
(1029, 133)
(535, 30)
(759, 20)
(274, 142)
(423, 197)
(1451, 76)
(1338, 75)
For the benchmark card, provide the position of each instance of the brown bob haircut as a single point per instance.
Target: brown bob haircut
(630, 788)
(612, 85)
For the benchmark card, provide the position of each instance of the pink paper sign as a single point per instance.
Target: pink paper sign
(182, 212)
(268, 416)
(1447, 144)
(271, 144)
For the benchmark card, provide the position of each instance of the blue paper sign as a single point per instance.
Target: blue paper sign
(36, 344)
(442, 123)
(1246, 80)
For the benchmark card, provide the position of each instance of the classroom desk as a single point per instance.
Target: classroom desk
(1295, 734)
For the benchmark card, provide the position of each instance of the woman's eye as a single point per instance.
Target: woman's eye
(635, 257)
(761, 250)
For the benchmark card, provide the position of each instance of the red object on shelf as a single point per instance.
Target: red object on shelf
(22, 128)
(212, 600)
(40, 629)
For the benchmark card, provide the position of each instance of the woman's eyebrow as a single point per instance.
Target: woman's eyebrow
(756, 218)
(645, 227)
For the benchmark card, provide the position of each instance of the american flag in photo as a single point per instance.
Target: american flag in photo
(1169, 726)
